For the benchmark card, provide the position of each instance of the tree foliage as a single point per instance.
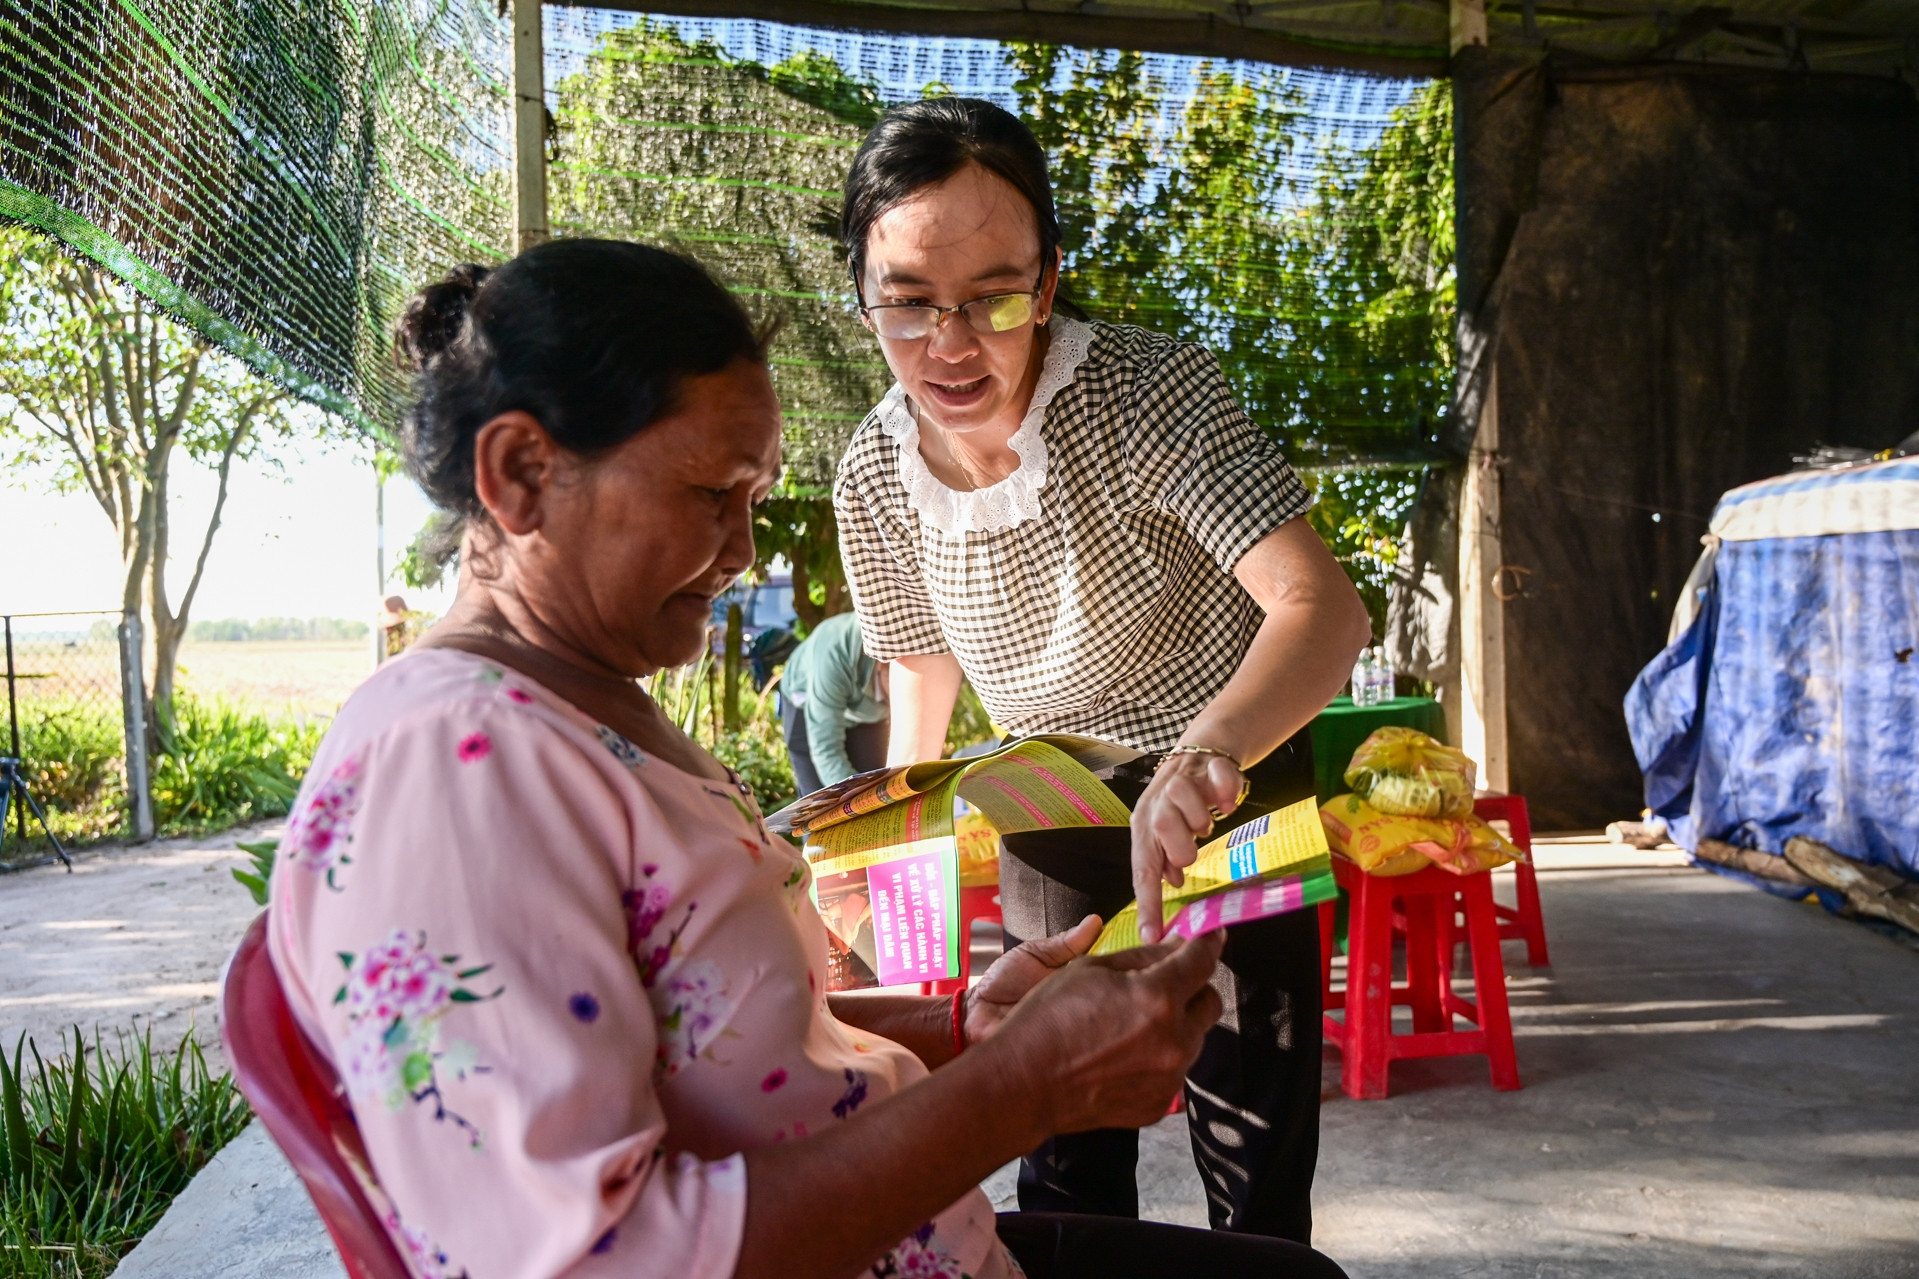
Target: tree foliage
(1383, 259)
(1321, 279)
(1330, 306)
(100, 393)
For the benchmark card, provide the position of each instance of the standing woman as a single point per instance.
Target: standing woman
(1079, 518)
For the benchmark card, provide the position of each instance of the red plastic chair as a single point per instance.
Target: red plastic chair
(297, 1095)
(1523, 922)
(1425, 901)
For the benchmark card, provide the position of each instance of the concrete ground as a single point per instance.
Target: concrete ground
(132, 941)
(1716, 1082)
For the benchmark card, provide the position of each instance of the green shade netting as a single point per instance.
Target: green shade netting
(282, 175)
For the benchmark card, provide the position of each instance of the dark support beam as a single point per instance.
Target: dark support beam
(1196, 35)
(1691, 29)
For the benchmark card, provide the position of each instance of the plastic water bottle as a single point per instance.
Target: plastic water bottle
(1363, 686)
(1382, 676)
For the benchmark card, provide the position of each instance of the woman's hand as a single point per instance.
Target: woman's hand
(1014, 974)
(1106, 1042)
(1186, 796)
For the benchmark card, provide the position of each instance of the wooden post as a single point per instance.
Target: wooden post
(529, 127)
(1482, 629)
(1468, 23)
(735, 645)
(1475, 698)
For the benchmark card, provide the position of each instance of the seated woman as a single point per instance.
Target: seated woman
(573, 987)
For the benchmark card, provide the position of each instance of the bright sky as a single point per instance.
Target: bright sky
(296, 542)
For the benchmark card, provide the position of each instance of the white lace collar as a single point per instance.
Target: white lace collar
(1014, 500)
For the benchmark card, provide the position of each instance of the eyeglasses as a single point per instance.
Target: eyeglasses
(910, 321)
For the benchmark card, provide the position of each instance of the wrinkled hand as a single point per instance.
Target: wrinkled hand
(1107, 1041)
(1014, 974)
(1186, 796)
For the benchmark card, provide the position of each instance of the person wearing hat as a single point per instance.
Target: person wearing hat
(396, 625)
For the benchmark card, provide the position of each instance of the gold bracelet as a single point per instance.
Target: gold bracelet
(1245, 786)
(1201, 750)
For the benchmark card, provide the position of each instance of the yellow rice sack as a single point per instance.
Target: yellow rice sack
(1405, 773)
(1391, 844)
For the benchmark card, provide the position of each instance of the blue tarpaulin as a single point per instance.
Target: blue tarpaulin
(1788, 702)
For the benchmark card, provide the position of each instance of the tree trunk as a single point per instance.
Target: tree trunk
(835, 599)
(803, 606)
(161, 623)
(168, 626)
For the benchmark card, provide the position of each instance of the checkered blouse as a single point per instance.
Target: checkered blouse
(1107, 605)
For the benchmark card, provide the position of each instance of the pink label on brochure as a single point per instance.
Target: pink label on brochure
(1239, 905)
(909, 919)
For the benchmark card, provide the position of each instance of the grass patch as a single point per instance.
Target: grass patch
(756, 750)
(72, 751)
(222, 764)
(97, 1144)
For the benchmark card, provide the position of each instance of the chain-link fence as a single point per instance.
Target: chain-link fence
(67, 723)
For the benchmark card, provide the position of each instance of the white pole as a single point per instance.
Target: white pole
(133, 710)
(1482, 619)
(1468, 23)
(379, 557)
(529, 127)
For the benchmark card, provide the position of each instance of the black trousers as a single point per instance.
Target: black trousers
(1252, 1098)
(865, 746)
(1061, 1246)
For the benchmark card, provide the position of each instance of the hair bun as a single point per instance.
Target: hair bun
(435, 316)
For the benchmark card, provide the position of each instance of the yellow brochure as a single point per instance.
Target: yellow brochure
(886, 852)
(1272, 865)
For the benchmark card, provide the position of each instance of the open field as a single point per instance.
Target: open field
(303, 677)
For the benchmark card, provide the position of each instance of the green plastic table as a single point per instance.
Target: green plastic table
(1341, 727)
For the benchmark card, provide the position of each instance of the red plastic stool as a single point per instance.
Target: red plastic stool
(975, 903)
(1524, 921)
(1365, 1037)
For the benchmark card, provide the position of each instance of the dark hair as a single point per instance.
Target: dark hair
(591, 337)
(921, 143)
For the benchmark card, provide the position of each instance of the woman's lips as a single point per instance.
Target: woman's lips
(957, 395)
(694, 601)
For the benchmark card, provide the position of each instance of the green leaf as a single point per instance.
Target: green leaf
(253, 884)
(110, 1135)
(19, 1136)
(76, 1112)
(416, 1071)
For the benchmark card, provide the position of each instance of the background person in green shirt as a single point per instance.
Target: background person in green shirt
(833, 706)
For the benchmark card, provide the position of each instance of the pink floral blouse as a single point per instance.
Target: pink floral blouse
(566, 985)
